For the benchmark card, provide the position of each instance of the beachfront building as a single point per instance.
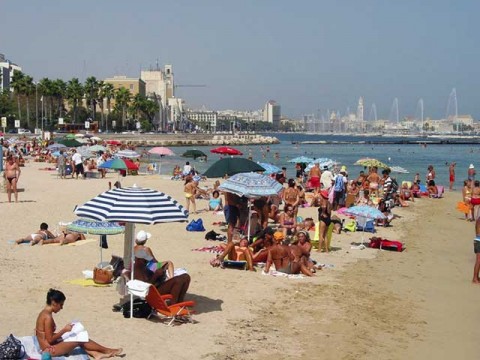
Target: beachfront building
(7, 68)
(207, 120)
(272, 113)
(134, 85)
(159, 83)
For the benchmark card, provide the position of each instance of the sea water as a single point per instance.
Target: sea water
(414, 158)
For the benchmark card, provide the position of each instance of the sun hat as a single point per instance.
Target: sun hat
(324, 193)
(142, 236)
(278, 235)
(471, 166)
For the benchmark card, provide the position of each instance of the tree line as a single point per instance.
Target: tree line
(75, 102)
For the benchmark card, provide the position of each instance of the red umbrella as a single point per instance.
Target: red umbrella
(130, 164)
(226, 150)
(113, 142)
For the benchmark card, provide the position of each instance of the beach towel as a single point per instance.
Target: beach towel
(32, 349)
(281, 274)
(210, 249)
(85, 283)
(138, 288)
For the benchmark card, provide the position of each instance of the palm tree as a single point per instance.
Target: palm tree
(108, 92)
(46, 89)
(100, 100)
(18, 87)
(28, 89)
(122, 99)
(74, 94)
(91, 89)
(60, 90)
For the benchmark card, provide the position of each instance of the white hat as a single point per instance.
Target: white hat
(142, 236)
(471, 166)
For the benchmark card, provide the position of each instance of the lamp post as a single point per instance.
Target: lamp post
(36, 105)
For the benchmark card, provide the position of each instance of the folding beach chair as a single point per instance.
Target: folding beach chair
(176, 312)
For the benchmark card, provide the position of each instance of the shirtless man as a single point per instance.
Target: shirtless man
(283, 259)
(451, 171)
(314, 177)
(12, 174)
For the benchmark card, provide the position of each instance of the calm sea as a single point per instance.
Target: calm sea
(414, 158)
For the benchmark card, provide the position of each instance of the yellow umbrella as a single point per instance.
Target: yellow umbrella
(368, 162)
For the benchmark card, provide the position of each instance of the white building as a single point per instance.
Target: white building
(209, 118)
(272, 113)
(159, 83)
(7, 68)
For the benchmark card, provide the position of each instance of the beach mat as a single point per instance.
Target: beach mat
(85, 283)
(281, 274)
(32, 349)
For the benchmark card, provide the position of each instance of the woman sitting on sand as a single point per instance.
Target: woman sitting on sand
(51, 342)
(288, 221)
(36, 237)
(215, 202)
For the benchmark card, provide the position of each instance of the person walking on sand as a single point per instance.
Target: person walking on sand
(190, 190)
(12, 175)
(78, 162)
(451, 171)
(476, 249)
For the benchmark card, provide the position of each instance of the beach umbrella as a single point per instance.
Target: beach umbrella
(269, 168)
(301, 160)
(127, 154)
(363, 213)
(226, 150)
(130, 164)
(97, 148)
(132, 205)
(252, 186)
(116, 164)
(368, 162)
(161, 150)
(70, 142)
(114, 142)
(231, 166)
(85, 152)
(78, 135)
(93, 227)
(70, 136)
(194, 154)
(96, 138)
(55, 146)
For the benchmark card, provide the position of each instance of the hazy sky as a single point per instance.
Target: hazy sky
(306, 55)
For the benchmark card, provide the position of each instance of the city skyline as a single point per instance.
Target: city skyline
(305, 56)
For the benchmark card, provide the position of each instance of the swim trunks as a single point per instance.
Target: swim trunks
(287, 269)
(452, 177)
(315, 181)
(476, 245)
(475, 201)
(373, 185)
(231, 214)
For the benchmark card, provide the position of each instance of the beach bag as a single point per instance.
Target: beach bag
(103, 275)
(12, 348)
(339, 185)
(117, 265)
(392, 245)
(196, 225)
(212, 235)
(141, 309)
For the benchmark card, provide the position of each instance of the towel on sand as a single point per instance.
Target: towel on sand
(281, 274)
(85, 282)
(32, 350)
(210, 249)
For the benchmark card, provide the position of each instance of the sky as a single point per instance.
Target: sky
(309, 55)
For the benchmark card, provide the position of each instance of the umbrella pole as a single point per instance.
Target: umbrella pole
(128, 256)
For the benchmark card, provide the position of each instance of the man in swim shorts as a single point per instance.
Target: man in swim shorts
(12, 174)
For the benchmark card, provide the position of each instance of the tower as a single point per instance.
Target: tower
(360, 109)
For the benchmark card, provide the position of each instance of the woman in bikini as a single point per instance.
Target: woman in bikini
(12, 175)
(467, 197)
(51, 341)
(374, 180)
(288, 221)
(40, 235)
(63, 239)
(324, 216)
(291, 196)
(190, 189)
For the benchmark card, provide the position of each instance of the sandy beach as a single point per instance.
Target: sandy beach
(368, 304)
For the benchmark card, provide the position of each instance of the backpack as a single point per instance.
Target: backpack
(339, 185)
(140, 309)
(196, 225)
(12, 348)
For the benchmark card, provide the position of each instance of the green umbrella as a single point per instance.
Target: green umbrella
(231, 166)
(70, 142)
(70, 136)
(116, 163)
(194, 154)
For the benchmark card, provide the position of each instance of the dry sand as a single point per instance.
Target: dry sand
(371, 305)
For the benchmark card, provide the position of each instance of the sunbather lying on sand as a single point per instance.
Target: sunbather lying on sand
(240, 252)
(37, 236)
(63, 239)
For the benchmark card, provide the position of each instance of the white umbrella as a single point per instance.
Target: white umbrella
(128, 154)
(133, 205)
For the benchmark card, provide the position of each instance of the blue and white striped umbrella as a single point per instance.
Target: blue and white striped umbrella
(269, 168)
(251, 185)
(134, 205)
